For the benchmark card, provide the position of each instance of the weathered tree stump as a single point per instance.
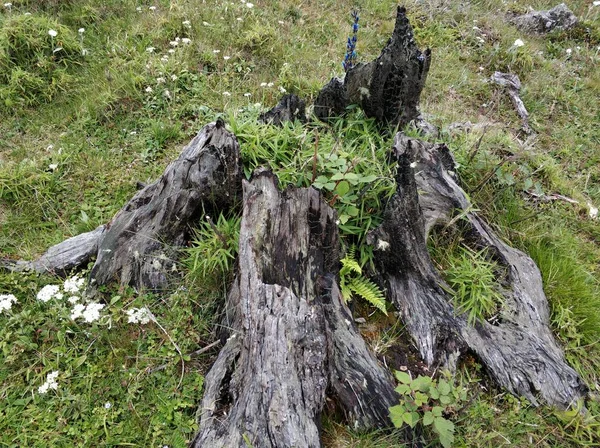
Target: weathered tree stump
(519, 350)
(293, 338)
(388, 88)
(289, 108)
(140, 245)
(558, 18)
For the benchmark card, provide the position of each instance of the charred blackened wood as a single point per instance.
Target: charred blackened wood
(519, 350)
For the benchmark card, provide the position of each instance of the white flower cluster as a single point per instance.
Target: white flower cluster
(50, 383)
(73, 284)
(89, 312)
(48, 292)
(6, 301)
(140, 316)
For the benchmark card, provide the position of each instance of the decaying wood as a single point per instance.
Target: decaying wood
(61, 258)
(289, 108)
(388, 88)
(519, 350)
(293, 337)
(558, 18)
(512, 85)
(139, 246)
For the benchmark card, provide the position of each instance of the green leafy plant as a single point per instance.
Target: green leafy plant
(214, 248)
(472, 279)
(353, 282)
(426, 401)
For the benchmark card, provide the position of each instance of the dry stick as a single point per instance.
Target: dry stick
(491, 174)
(477, 145)
(315, 157)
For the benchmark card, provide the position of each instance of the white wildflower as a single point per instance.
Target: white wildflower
(263, 84)
(206, 24)
(150, 49)
(239, 19)
(216, 51)
(593, 211)
(107, 405)
(518, 43)
(174, 43)
(282, 89)
(596, 3)
(173, 77)
(167, 94)
(250, 5)
(247, 94)
(382, 245)
(281, 22)
(49, 147)
(226, 94)
(171, 50)
(73, 284)
(81, 30)
(138, 9)
(152, 8)
(227, 58)
(270, 84)
(149, 89)
(53, 166)
(187, 23)
(186, 40)
(569, 51)
(77, 311)
(164, 59)
(6, 301)
(92, 312)
(73, 300)
(8, 5)
(52, 33)
(50, 383)
(47, 292)
(160, 80)
(139, 316)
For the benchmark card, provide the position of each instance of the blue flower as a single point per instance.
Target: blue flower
(350, 57)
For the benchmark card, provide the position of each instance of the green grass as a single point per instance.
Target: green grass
(79, 128)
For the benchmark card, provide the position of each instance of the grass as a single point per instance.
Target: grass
(79, 128)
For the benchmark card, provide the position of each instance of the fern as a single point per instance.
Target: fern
(353, 282)
(369, 291)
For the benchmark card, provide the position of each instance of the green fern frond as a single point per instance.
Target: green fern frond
(349, 263)
(369, 291)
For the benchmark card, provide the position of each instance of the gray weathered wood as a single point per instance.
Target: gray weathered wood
(61, 258)
(289, 108)
(512, 85)
(139, 246)
(519, 351)
(292, 337)
(388, 88)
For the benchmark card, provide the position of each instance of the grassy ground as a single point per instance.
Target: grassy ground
(86, 113)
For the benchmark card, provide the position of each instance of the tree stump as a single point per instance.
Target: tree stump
(519, 351)
(139, 246)
(293, 338)
(387, 89)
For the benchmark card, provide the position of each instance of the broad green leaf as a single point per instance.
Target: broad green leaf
(437, 411)
(445, 429)
(411, 418)
(403, 389)
(403, 377)
(352, 210)
(329, 186)
(337, 176)
(79, 361)
(428, 418)
(369, 178)
(421, 383)
(434, 393)
(444, 387)
(445, 399)
(344, 218)
(342, 188)
(396, 413)
(421, 398)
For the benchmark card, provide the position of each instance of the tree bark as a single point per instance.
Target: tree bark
(293, 337)
(519, 350)
(139, 246)
(387, 89)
